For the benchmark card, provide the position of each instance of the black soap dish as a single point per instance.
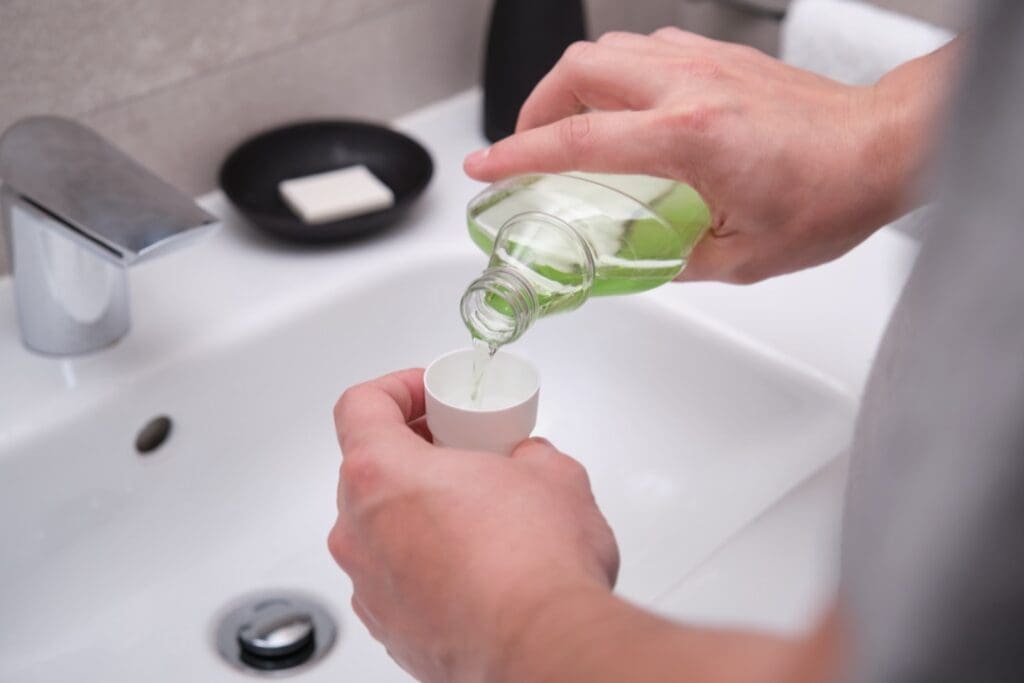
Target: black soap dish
(251, 174)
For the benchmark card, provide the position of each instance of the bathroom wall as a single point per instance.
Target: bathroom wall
(719, 19)
(176, 83)
(952, 13)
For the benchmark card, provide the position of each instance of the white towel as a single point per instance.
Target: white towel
(854, 42)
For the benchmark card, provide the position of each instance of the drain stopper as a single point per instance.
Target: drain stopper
(280, 635)
(274, 632)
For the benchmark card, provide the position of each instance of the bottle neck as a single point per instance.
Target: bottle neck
(539, 265)
(499, 306)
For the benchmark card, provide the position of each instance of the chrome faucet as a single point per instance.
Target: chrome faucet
(77, 212)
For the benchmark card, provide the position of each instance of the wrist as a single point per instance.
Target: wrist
(895, 151)
(905, 109)
(535, 636)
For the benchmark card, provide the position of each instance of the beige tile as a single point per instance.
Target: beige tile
(729, 24)
(177, 83)
(379, 68)
(74, 56)
(956, 14)
(637, 16)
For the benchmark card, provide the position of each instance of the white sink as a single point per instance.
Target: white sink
(114, 565)
(694, 407)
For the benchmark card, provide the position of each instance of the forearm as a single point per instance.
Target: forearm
(596, 637)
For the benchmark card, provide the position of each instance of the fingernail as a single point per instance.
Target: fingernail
(478, 156)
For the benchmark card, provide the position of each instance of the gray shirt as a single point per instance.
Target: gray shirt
(933, 558)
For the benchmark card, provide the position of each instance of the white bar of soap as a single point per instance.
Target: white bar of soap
(330, 196)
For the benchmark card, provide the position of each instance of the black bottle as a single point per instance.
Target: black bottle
(526, 38)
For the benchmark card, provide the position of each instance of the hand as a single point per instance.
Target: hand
(796, 168)
(452, 553)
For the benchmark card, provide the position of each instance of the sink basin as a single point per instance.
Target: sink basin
(114, 565)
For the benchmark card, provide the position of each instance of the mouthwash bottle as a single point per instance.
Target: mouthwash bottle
(556, 240)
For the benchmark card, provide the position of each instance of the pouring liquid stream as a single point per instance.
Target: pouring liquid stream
(484, 353)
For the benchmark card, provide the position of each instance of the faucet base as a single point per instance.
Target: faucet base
(70, 299)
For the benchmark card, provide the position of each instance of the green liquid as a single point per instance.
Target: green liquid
(481, 361)
(633, 251)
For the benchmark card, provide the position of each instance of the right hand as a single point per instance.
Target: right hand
(455, 554)
(796, 168)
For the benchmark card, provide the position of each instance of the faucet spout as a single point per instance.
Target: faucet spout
(77, 212)
(70, 171)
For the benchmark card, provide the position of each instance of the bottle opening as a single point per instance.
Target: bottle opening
(499, 306)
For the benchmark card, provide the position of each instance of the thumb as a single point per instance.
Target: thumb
(534, 447)
(540, 453)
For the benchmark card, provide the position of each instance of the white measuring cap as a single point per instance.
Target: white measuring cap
(506, 414)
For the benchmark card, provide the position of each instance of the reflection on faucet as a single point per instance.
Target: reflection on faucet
(77, 212)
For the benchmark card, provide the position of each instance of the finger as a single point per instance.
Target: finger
(715, 258)
(380, 409)
(594, 76)
(675, 36)
(705, 52)
(419, 425)
(637, 42)
(612, 142)
(534, 447)
(339, 546)
(556, 465)
(371, 624)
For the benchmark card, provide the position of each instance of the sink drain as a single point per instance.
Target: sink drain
(275, 632)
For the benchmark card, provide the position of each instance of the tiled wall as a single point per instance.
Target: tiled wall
(724, 22)
(952, 13)
(176, 83)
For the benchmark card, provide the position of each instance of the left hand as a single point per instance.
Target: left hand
(797, 169)
(453, 553)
